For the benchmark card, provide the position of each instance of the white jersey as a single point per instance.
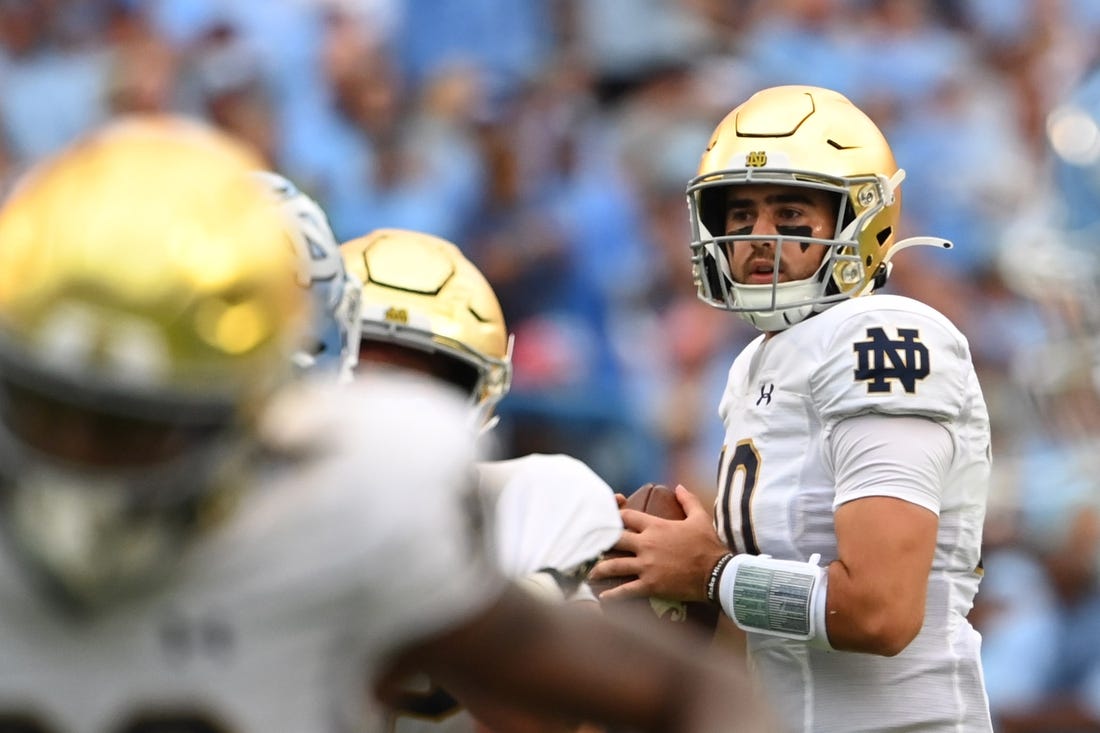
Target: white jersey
(881, 354)
(362, 540)
(547, 512)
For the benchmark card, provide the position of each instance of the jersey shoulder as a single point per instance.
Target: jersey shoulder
(889, 354)
(374, 500)
(378, 425)
(372, 460)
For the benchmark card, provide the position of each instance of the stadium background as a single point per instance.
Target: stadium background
(552, 139)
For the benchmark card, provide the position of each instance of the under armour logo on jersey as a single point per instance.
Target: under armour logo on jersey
(765, 394)
(881, 360)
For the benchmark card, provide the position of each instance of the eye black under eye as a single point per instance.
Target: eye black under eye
(799, 231)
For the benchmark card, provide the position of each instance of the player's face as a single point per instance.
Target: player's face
(771, 209)
(451, 371)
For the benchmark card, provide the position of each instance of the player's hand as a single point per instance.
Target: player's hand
(671, 558)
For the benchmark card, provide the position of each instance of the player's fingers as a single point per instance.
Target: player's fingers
(689, 502)
(636, 520)
(614, 567)
(620, 499)
(631, 589)
(628, 542)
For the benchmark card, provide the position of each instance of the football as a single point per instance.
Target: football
(656, 499)
(659, 501)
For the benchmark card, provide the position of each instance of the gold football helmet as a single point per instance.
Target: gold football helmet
(421, 292)
(148, 307)
(803, 136)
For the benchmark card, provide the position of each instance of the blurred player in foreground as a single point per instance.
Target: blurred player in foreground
(333, 335)
(852, 487)
(192, 539)
(427, 309)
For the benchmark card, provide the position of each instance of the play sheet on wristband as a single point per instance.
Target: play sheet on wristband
(773, 599)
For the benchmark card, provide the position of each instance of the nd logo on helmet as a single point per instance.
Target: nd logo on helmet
(756, 159)
(397, 315)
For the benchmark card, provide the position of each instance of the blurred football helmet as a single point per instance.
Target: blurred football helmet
(148, 309)
(420, 291)
(801, 136)
(335, 293)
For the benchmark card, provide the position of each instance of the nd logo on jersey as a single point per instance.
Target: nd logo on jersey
(880, 360)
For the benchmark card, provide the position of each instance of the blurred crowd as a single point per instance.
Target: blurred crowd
(553, 140)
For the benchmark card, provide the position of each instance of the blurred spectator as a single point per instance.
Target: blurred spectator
(509, 41)
(555, 213)
(806, 42)
(232, 89)
(51, 93)
(144, 67)
(1042, 614)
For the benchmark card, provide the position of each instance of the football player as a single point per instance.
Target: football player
(194, 540)
(426, 308)
(852, 487)
(334, 333)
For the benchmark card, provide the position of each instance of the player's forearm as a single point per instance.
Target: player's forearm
(874, 618)
(591, 668)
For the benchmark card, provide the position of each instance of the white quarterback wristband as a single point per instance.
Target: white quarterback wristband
(777, 597)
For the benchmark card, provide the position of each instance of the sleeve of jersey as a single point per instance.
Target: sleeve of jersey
(903, 457)
(892, 362)
(551, 511)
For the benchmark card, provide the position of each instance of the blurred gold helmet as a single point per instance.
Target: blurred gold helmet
(420, 291)
(148, 307)
(803, 136)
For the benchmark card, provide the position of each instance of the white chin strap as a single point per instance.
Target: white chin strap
(757, 301)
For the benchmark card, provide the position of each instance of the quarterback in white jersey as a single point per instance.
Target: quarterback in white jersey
(846, 536)
(427, 308)
(192, 540)
(779, 484)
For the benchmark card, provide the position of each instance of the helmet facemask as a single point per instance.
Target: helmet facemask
(101, 503)
(842, 273)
